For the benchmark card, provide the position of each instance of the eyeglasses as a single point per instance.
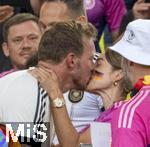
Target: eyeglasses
(96, 56)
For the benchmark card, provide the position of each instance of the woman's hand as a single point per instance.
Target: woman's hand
(48, 80)
(5, 12)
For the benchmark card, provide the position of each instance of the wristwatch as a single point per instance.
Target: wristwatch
(58, 102)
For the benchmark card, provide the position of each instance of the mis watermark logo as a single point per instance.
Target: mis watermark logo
(25, 133)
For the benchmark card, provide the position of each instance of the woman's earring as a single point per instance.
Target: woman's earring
(115, 83)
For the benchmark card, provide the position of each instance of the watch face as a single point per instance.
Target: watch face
(58, 102)
(75, 96)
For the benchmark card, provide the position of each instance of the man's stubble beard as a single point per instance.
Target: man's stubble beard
(79, 85)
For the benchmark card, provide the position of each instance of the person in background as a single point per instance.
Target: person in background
(107, 80)
(13, 7)
(55, 10)
(21, 35)
(140, 10)
(105, 12)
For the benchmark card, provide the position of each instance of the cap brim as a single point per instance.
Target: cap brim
(131, 52)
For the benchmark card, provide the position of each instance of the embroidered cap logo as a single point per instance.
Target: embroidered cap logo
(130, 36)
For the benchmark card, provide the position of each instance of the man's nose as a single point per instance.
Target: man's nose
(26, 43)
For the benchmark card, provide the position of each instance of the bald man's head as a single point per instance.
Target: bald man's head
(61, 10)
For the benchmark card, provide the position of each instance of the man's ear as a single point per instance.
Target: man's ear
(71, 60)
(81, 18)
(5, 49)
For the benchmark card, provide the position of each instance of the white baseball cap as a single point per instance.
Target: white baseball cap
(135, 43)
